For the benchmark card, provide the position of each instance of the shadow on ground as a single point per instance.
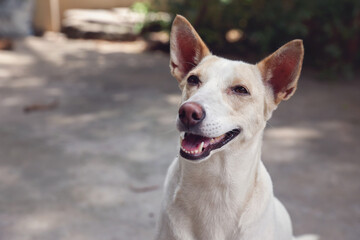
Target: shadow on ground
(93, 167)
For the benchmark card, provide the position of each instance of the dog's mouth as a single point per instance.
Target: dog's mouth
(195, 147)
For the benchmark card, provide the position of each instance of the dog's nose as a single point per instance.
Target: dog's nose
(191, 113)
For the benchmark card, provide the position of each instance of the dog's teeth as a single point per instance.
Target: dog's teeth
(182, 135)
(200, 147)
(221, 137)
(212, 140)
(192, 152)
(196, 151)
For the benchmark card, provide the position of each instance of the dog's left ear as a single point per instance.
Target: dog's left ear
(186, 48)
(281, 70)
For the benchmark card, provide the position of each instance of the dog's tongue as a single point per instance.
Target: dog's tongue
(192, 142)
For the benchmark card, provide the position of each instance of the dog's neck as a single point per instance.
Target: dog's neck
(229, 174)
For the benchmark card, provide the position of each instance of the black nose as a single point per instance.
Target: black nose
(191, 113)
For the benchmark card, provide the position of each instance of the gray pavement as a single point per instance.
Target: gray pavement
(92, 168)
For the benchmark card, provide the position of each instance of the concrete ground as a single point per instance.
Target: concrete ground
(92, 167)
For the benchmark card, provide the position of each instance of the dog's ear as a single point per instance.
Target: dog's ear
(281, 70)
(186, 48)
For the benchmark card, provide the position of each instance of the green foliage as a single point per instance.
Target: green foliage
(141, 7)
(153, 21)
(330, 28)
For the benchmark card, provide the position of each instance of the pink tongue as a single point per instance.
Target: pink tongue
(192, 142)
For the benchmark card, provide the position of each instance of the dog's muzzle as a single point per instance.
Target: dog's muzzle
(194, 145)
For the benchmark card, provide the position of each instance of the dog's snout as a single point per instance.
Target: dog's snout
(191, 113)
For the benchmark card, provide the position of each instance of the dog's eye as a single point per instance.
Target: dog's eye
(240, 90)
(193, 80)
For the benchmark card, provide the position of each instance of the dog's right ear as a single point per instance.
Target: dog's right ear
(186, 48)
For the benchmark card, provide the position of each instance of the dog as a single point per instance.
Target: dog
(218, 188)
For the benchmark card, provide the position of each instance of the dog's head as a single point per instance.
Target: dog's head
(222, 99)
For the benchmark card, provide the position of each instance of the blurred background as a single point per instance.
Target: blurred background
(88, 109)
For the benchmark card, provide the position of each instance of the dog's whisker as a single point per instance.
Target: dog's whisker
(192, 64)
(167, 131)
(270, 126)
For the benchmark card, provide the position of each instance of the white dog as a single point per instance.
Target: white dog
(218, 188)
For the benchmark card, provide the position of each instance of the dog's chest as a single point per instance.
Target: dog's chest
(209, 212)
